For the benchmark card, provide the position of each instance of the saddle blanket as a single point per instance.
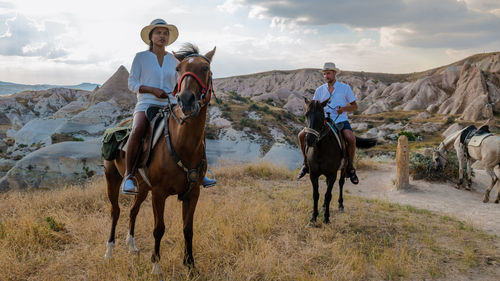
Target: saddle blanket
(476, 141)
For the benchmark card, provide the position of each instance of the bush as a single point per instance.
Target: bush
(422, 167)
(409, 135)
(391, 120)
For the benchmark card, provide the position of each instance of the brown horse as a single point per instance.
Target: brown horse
(325, 156)
(178, 164)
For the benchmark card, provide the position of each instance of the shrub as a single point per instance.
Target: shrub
(409, 135)
(422, 167)
(450, 120)
(391, 120)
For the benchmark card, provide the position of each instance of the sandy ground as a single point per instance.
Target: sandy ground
(440, 197)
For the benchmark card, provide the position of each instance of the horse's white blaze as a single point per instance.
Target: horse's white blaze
(156, 269)
(131, 243)
(109, 250)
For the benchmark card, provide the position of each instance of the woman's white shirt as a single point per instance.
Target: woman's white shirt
(146, 71)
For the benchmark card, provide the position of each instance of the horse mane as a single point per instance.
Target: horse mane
(450, 139)
(187, 49)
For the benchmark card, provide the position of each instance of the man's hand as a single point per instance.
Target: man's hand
(339, 110)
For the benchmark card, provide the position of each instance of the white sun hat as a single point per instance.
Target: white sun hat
(173, 33)
(330, 66)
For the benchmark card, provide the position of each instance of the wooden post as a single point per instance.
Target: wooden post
(402, 163)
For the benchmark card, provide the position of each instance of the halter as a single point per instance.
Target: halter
(206, 88)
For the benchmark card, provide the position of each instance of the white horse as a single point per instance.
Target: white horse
(488, 153)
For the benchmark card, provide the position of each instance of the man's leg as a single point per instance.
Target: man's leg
(351, 150)
(302, 144)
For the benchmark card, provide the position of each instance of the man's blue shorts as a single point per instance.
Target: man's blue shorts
(344, 125)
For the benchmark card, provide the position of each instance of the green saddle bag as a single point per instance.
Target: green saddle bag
(111, 141)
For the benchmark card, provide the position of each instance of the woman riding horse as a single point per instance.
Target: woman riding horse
(153, 77)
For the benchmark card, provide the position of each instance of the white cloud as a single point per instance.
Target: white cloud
(230, 6)
(26, 37)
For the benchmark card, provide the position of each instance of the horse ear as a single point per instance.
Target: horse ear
(324, 103)
(210, 54)
(179, 57)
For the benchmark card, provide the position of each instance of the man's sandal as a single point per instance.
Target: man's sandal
(353, 177)
(303, 172)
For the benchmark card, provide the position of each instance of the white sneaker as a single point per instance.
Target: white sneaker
(128, 187)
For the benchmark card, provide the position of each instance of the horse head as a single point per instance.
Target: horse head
(439, 156)
(315, 119)
(194, 87)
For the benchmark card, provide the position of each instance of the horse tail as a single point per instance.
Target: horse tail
(365, 143)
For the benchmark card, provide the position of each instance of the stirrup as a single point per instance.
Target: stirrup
(135, 182)
(208, 182)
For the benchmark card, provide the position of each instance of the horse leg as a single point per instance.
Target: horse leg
(497, 173)
(143, 193)
(314, 181)
(188, 208)
(469, 174)
(113, 180)
(494, 180)
(460, 158)
(159, 229)
(328, 198)
(341, 193)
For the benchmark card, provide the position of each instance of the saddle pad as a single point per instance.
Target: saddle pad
(477, 140)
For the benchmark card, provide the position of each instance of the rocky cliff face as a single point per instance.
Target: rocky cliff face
(54, 135)
(470, 88)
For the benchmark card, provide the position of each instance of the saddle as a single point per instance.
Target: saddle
(471, 132)
(342, 142)
(471, 136)
(156, 116)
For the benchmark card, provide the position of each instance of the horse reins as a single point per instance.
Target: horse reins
(192, 175)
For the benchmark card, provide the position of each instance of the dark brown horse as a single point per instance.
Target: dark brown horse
(178, 173)
(325, 156)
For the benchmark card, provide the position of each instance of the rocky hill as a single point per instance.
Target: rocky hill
(470, 88)
(54, 135)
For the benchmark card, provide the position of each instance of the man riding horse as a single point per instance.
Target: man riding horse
(342, 100)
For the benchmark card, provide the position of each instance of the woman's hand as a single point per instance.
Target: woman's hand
(159, 93)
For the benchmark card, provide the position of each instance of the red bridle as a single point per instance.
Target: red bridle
(206, 90)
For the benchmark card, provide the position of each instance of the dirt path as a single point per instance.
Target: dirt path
(439, 197)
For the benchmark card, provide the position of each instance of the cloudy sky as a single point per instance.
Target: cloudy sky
(69, 42)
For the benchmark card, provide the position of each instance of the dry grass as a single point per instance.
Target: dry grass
(252, 226)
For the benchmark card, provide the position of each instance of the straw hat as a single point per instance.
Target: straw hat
(330, 66)
(172, 31)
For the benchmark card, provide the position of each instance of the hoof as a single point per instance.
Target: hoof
(341, 209)
(109, 250)
(326, 220)
(313, 219)
(131, 244)
(156, 271)
(496, 201)
(485, 200)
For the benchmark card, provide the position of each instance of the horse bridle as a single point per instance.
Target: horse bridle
(440, 155)
(206, 89)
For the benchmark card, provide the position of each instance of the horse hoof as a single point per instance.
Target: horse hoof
(485, 200)
(326, 221)
(496, 201)
(109, 250)
(341, 209)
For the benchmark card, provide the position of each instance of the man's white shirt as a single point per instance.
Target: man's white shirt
(342, 95)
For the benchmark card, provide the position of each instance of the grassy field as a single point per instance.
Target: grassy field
(252, 226)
